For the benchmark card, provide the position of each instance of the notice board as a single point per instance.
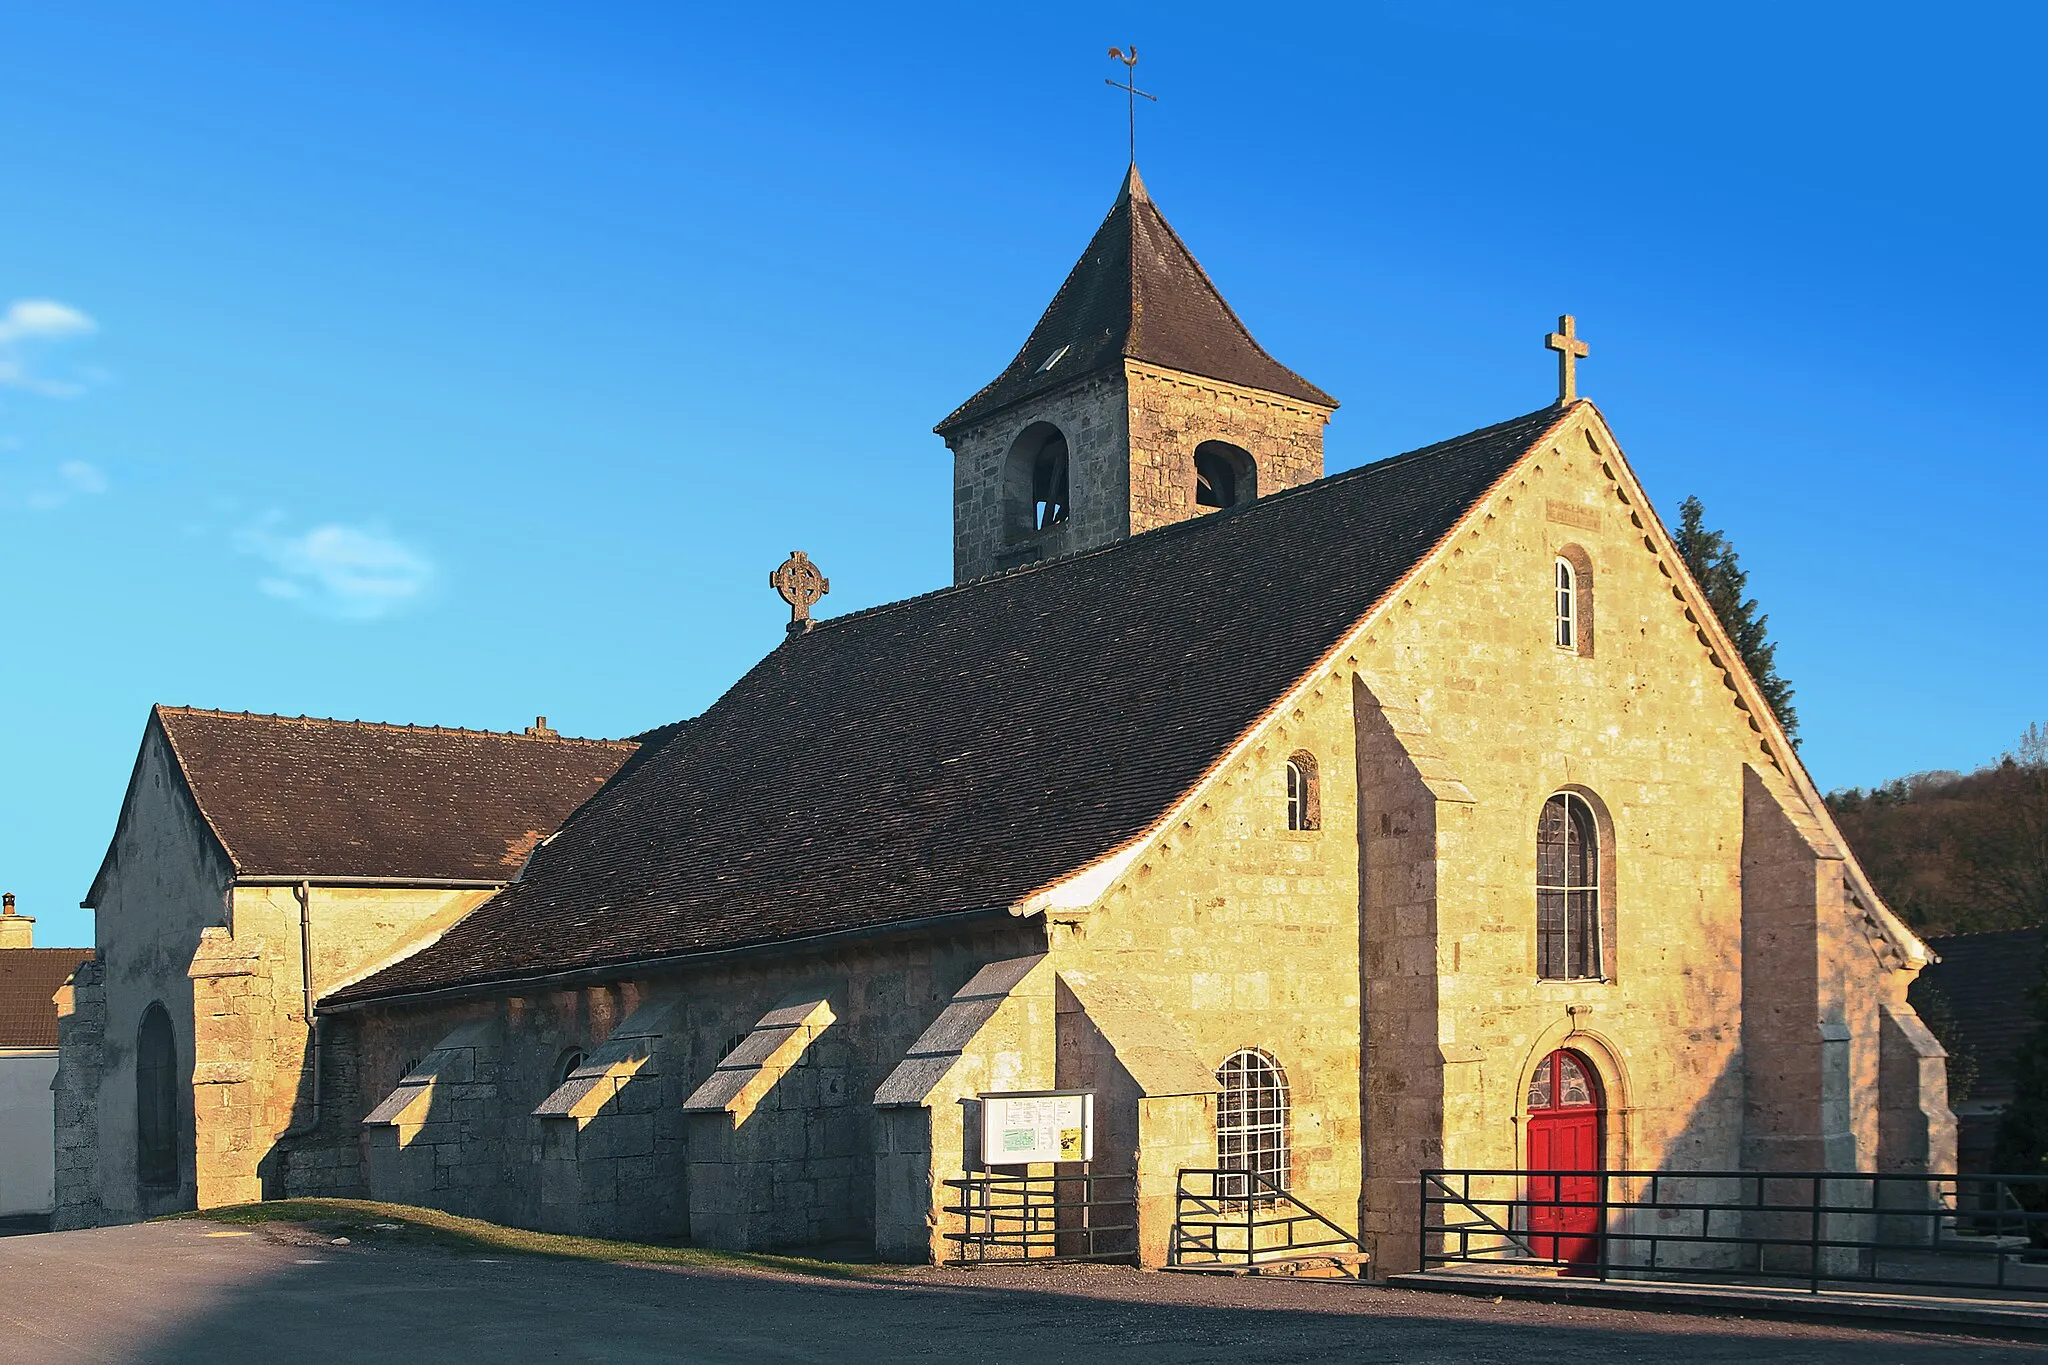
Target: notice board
(1021, 1128)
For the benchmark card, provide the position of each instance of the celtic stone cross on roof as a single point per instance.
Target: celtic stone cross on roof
(801, 585)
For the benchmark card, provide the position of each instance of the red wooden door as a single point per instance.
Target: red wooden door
(1564, 1160)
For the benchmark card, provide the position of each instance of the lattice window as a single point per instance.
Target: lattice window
(1304, 800)
(1251, 1123)
(1567, 890)
(156, 1099)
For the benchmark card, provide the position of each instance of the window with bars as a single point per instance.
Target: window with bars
(1304, 802)
(1567, 890)
(1251, 1122)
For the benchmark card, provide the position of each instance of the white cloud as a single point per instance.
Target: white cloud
(44, 320)
(28, 328)
(355, 572)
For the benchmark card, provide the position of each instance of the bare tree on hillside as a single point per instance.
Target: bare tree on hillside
(1958, 854)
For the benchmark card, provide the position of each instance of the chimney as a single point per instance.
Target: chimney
(16, 931)
(539, 729)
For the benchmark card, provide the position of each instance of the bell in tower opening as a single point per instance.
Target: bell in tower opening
(1138, 400)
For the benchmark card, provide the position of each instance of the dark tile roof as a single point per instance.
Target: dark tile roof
(1137, 291)
(305, 797)
(960, 751)
(1986, 981)
(28, 978)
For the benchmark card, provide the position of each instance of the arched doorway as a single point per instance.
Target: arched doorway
(1565, 1112)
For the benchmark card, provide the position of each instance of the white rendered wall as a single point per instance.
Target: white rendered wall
(28, 1154)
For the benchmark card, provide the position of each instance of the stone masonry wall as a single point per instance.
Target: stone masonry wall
(1245, 935)
(253, 1076)
(81, 1032)
(166, 884)
(1646, 724)
(1171, 413)
(1092, 415)
(1131, 439)
(883, 995)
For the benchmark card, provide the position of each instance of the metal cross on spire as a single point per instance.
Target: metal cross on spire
(1570, 351)
(1132, 93)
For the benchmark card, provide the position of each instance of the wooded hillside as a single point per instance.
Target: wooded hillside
(1957, 853)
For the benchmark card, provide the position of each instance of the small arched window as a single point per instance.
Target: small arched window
(1035, 480)
(156, 1099)
(1567, 890)
(1573, 601)
(565, 1067)
(1304, 800)
(1251, 1125)
(1567, 605)
(1224, 475)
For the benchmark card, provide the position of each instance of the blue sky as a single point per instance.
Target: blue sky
(465, 362)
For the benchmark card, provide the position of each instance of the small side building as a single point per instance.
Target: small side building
(259, 861)
(29, 980)
(1980, 995)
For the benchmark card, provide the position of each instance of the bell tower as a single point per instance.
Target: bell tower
(1139, 399)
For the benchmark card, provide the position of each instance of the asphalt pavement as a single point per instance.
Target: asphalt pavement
(201, 1292)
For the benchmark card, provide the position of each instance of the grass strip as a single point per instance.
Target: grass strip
(358, 1220)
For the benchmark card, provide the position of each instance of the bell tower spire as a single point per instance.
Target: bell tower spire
(1139, 399)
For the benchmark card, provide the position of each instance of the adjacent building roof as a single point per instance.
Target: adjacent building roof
(1136, 292)
(29, 977)
(305, 797)
(1986, 982)
(963, 750)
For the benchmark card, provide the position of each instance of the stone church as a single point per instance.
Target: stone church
(1323, 829)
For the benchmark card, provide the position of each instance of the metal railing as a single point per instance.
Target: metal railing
(1043, 1218)
(1814, 1230)
(1236, 1220)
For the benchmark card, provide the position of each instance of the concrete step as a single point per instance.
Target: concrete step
(2026, 1319)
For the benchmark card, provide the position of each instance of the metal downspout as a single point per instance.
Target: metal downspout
(303, 893)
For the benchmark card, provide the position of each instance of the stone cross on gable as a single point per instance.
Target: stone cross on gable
(1570, 351)
(801, 585)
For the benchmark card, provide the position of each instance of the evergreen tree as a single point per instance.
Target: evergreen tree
(1720, 575)
(2023, 1127)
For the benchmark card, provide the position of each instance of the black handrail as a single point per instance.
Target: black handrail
(1219, 1223)
(1011, 1217)
(1818, 1230)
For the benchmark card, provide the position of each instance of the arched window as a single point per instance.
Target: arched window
(565, 1067)
(1224, 475)
(156, 1099)
(1251, 1123)
(1567, 890)
(1573, 601)
(1304, 800)
(1035, 480)
(1563, 1080)
(1567, 605)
